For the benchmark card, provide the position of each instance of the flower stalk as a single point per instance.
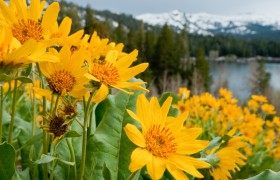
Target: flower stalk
(13, 113)
(84, 144)
(1, 111)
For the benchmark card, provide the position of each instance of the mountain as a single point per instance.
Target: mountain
(247, 25)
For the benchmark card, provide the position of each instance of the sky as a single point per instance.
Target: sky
(218, 7)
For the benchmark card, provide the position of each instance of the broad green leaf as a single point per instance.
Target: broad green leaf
(110, 144)
(106, 172)
(7, 161)
(266, 175)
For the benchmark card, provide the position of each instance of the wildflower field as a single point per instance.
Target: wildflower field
(72, 108)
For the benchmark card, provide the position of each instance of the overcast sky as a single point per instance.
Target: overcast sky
(219, 7)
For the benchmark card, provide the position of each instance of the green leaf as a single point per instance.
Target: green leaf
(5, 78)
(266, 175)
(165, 95)
(47, 159)
(31, 141)
(24, 79)
(106, 172)
(110, 144)
(7, 161)
(28, 70)
(172, 111)
(21, 175)
(72, 133)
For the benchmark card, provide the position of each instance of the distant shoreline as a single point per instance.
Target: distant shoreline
(244, 59)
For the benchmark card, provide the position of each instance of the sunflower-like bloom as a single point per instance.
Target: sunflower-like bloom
(164, 142)
(114, 71)
(57, 126)
(228, 158)
(67, 76)
(14, 56)
(62, 33)
(27, 22)
(99, 47)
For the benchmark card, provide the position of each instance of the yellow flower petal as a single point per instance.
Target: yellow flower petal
(184, 164)
(175, 172)
(50, 16)
(156, 167)
(143, 110)
(7, 13)
(22, 52)
(135, 135)
(191, 147)
(196, 162)
(101, 94)
(139, 158)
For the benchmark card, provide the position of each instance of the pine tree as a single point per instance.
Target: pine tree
(203, 79)
(131, 40)
(119, 34)
(89, 20)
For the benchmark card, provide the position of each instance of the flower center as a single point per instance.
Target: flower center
(25, 30)
(57, 126)
(105, 72)
(160, 141)
(61, 80)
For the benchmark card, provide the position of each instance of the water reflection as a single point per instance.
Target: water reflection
(237, 77)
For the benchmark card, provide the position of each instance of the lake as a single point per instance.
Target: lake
(239, 76)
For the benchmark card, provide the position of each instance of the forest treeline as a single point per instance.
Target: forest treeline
(168, 50)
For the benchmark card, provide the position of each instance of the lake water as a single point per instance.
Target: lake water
(238, 76)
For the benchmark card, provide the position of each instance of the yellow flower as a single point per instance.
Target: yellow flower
(27, 22)
(99, 47)
(62, 32)
(254, 105)
(14, 56)
(67, 76)
(228, 158)
(268, 109)
(227, 95)
(259, 98)
(115, 72)
(164, 142)
(184, 93)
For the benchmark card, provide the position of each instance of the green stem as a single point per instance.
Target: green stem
(45, 141)
(73, 159)
(54, 161)
(13, 113)
(84, 145)
(132, 175)
(34, 113)
(52, 99)
(1, 111)
(92, 120)
(56, 104)
(45, 134)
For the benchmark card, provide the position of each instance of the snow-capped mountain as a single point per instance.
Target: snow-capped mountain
(208, 24)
